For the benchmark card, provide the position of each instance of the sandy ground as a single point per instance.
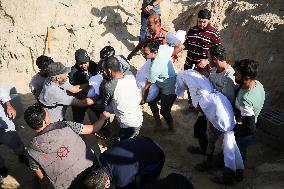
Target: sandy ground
(250, 29)
(265, 166)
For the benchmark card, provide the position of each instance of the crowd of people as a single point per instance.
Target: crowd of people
(228, 99)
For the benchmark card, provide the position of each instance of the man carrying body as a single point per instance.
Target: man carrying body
(155, 32)
(138, 158)
(54, 93)
(124, 96)
(57, 151)
(223, 79)
(8, 134)
(80, 74)
(163, 74)
(249, 102)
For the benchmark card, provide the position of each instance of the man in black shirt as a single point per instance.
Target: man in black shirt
(138, 158)
(80, 74)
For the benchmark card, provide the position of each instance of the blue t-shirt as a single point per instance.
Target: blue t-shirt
(137, 156)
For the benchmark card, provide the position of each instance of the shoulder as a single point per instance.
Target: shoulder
(212, 29)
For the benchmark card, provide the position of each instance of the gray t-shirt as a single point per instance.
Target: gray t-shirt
(36, 84)
(55, 99)
(224, 82)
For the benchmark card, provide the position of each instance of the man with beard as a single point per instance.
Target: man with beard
(80, 74)
(199, 39)
(54, 95)
(155, 32)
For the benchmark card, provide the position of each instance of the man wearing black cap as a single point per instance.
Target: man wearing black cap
(54, 95)
(80, 73)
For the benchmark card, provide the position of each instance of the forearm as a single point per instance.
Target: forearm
(136, 49)
(78, 88)
(83, 103)
(145, 90)
(178, 48)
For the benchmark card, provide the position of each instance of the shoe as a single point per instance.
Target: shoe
(4, 172)
(239, 175)
(195, 150)
(222, 181)
(204, 167)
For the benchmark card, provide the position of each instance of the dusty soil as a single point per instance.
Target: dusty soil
(249, 29)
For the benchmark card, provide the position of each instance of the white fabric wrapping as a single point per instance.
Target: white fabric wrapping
(141, 78)
(217, 109)
(181, 35)
(95, 82)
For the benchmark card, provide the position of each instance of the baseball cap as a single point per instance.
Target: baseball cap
(81, 56)
(57, 68)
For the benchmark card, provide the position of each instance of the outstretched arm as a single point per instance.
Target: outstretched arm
(89, 129)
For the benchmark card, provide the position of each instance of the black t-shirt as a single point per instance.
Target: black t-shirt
(78, 77)
(124, 161)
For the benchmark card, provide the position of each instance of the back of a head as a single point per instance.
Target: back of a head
(247, 67)
(96, 179)
(106, 52)
(112, 63)
(34, 116)
(43, 61)
(218, 51)
(204, 14)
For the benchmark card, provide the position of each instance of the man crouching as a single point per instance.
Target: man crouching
(57, 151)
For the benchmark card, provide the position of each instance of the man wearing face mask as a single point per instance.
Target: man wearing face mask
(80, 74)
(54, 95)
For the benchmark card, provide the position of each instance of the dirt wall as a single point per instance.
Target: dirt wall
(249, 29)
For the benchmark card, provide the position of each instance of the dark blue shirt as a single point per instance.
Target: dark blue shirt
(130, 158)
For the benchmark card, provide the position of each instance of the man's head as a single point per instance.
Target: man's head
(97, 179)
(82, 59)
(106, 52)
(203, 19)
(36, 117)
(58, 72)
(245, 71)
(42, 63)
(217, 55)
(154, 23)
(112, 67)
(150, 50)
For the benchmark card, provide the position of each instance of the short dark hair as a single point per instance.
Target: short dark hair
(204, 14)
(218, 51)
(43, 61)
(106, 52)
(34, 116)
(96, 179)
(112, 63)
(153, 45)
(247, 68)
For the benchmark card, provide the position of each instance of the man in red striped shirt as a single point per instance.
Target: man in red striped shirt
(199, 39)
